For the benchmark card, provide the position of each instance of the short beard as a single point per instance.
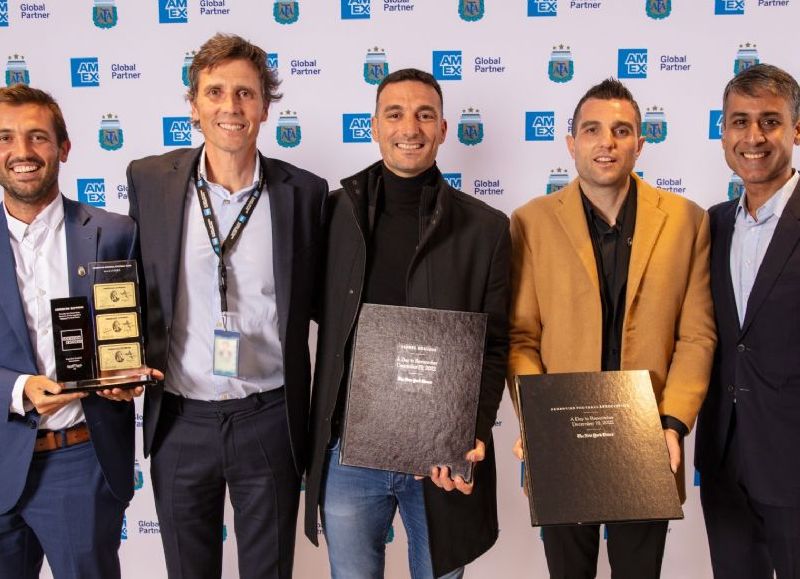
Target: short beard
(37, 195)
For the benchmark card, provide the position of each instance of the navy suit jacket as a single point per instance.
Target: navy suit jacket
(157, 189)
(92, 235)
(757, 364)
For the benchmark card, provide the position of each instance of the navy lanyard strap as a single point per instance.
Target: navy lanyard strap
(233, 235)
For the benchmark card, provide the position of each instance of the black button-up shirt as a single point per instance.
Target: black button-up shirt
(612, 246)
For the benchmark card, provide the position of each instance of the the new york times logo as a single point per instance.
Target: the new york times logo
(632, 63)
(3, 13)
(92, 192)
(355, 9)
(453, 179)
(356, 128)
(540, 126)
(85, 71)
(173, 12)
(177, 131)
(715, 125)
(447, 64)
(542, 7)
(728, 7)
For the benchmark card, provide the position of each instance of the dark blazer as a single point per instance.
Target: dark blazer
(92, 235)
(157, 189)
(757, 364)
(461, 263)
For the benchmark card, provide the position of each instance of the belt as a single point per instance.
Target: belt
(47, 440)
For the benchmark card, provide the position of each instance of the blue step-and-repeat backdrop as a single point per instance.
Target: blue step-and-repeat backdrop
(511, 71)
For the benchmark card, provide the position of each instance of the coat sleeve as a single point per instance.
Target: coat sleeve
(690, 368)
(525, 332)
(495, 303)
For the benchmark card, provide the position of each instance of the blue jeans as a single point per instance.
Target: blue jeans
(358, 506)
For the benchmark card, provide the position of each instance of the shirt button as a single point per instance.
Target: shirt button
(731, 388)
(226, 202)
(741, 347)
(350, 291)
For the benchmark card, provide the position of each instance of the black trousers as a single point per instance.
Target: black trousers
(202, 448)
(635, 550)
(747, 539)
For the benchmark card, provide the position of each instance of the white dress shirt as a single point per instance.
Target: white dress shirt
(751, 238)
(252, 309)
(40, 254)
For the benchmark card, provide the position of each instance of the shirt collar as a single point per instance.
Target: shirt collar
(775, 204)
(50, 217)
(201, 169)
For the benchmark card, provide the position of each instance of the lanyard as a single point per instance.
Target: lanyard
(233, 235)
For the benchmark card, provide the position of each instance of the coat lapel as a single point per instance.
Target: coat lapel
(572, 218)
(173, 191)
(784, 241)
(10, 300)
(721, 266)
(82, 238)
(649, 221)
(281, 203)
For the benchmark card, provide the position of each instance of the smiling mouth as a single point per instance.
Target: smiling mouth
(754, 156)
(25, 168)
(408, 146)
(604, 160)
(230, 126)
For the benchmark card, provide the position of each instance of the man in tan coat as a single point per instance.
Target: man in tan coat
(612, 274)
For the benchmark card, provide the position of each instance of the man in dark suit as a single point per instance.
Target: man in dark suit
(229, 245)
(749, 426)
(66, 459)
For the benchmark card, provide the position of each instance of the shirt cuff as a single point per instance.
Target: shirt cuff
(674, 424)
(18, 403)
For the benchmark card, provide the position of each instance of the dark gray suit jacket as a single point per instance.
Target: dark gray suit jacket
(157, 188)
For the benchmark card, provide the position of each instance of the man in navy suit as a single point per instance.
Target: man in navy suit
(66, 459)
(749, 427)
(230, 241)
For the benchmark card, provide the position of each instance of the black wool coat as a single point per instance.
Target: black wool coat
(461, 263)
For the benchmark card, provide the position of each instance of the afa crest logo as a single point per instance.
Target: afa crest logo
(735, 187)
(746, 56)
(558, 179)
(110, 133)
(561, 67)
(654, 125)
(288, 132)
(104, 13)
(17, 71)
(188, 58)
(471, 10)
(376, 67)
(470, 127)
(658, 9)
(286, 11)
(138, 476)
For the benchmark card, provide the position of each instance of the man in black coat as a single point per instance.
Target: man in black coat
(749, 427)
(399, 235)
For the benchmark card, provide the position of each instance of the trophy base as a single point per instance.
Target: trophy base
(123, 382)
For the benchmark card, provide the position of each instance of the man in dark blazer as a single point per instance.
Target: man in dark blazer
(749, 427)
(228, 310)
(400, 235)
(66, 459)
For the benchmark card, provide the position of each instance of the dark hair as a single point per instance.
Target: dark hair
(224, 47)
(764, 77)
(21, 94)
(609, 89)
(412, 74)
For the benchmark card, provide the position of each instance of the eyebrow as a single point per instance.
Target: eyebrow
(396, 107)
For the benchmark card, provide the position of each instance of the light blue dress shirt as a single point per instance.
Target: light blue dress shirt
(751, 238)
(252, 309)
